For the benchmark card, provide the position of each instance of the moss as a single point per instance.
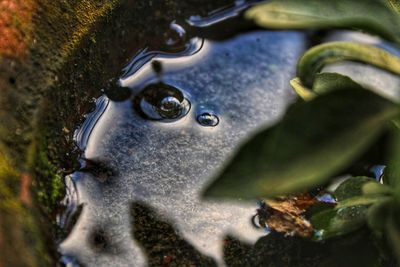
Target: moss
(18, 222)
(49, 188)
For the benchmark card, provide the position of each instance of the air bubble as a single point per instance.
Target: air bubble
(175, 37)
(160, 101)
(208, 119)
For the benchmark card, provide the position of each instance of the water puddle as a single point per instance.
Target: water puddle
(157, 139)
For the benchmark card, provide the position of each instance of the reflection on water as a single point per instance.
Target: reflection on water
(185, 114)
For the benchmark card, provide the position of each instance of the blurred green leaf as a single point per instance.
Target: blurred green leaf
(351, 187)
(373, 16)
(314, 59)
(393, 235)
(392, 170)
(394, 4)
(377, 215)
(337, 222)
(314, 140)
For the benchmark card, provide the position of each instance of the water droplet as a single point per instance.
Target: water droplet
(160, 101)
(175, 37)
(208, 119)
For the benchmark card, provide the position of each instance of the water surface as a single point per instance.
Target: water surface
(133, 154)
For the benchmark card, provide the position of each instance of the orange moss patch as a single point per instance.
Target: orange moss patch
(15, 27)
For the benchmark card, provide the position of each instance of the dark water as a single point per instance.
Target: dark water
(157, 139)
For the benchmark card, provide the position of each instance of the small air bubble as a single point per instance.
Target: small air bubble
(208, 119)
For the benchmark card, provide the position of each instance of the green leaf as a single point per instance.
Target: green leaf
(374, 188)
(326, 82)
(391, 174)
(394, 4)
(323, 83)
(302, 91)
(372, 16)
(361, 200)
(316, 58)
(335, 222)
(352, 187)
(348, 215)
(314, 140)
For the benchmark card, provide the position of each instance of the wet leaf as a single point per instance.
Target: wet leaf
(351, 210)
(373, 16)
(361, 200)
(314, 140)
(350, 213)
(352, 187)
(313, 61)
(336, 222)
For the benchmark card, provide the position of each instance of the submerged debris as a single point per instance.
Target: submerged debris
(288, 214)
